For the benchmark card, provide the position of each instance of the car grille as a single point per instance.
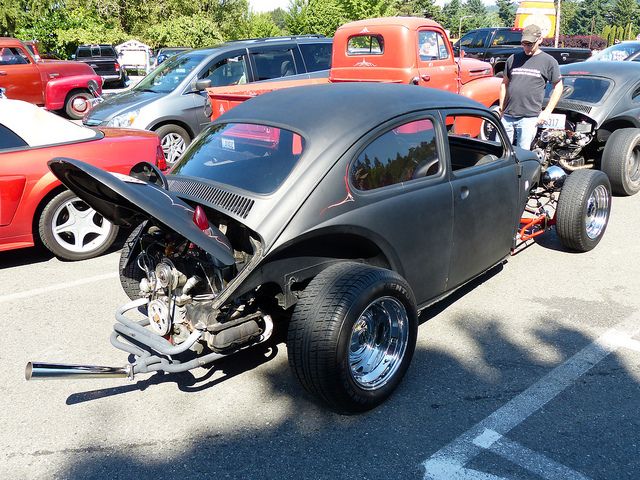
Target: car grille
(578, 107)
(231, 202)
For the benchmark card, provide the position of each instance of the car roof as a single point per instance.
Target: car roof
(335, 110)
(21, 117)
(620, 72)
(234, 44)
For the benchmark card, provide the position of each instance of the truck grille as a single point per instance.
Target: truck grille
(578, 107)
(230, 202)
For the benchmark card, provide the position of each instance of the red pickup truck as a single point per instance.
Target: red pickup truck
(391, 49)
(56, 85)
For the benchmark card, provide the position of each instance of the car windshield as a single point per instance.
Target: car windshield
(256, 158)
(616, 52)
(170, 73)
(582, 89)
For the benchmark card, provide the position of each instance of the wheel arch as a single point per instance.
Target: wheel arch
(291, 267)
(40, 207)
(173, 121)
(611, 125)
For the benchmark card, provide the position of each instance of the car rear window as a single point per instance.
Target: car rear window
(256, 158)
(583, 89)
(365, 45)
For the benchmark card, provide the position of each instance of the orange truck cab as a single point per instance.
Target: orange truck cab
(408, 50)
(56, 85)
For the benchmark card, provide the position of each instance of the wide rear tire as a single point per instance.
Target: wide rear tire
(621, 161)
(352, 336)
(583, 209)
(130, 273)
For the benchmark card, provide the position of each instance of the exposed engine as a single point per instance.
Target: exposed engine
(183, 284)
(566, 147)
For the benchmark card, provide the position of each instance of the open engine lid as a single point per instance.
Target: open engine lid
(125, 200)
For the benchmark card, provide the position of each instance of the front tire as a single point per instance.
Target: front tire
(352, 336)
(72, 230)
(621, 161)
(174, 140)
(78, 103)
(583, 209)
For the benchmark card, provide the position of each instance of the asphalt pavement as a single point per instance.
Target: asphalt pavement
(532, 371)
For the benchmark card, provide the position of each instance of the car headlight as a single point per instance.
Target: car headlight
(124, 119)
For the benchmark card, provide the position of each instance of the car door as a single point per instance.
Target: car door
(230, 68)
(20, 76)
(436, 67)
(275, 61)
(402, 195)
(473, 44)
(485, 186)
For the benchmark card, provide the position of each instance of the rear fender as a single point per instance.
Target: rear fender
(485, 90)
(57, 89)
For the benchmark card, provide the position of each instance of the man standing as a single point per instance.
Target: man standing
(522, 91)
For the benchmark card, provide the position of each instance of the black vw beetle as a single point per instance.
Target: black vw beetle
(337, 212)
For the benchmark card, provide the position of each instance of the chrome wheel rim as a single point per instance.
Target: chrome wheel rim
(597, 212)
(80, 104)
(633, 165)
(378, 343)
(173, 146)
(79, 228)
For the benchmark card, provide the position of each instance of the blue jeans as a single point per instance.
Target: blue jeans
(525, 129)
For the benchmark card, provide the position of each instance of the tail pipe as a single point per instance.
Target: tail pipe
(43, 371)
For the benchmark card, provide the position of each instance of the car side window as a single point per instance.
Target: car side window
(317, 56)
(9, 139)
(274, 64)
(12, 56)
(431, 46)
(229, 71)
(507, 37)
(402, 154)
(468, 40)
(473, 140)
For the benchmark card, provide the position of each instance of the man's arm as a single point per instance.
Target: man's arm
(503, 93)
(553, 101)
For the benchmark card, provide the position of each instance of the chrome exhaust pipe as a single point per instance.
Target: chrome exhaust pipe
(41, 371)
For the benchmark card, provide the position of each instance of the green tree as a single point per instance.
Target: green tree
(477, 14)
(506, 12)
(315, 17)
(261, 25)
(359, 9)
(568, 11)
(625, 12)
(590, 16)
(9, 17)
(451, 13)
(418, 8)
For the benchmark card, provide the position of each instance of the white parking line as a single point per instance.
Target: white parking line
(528, 459)
(52, 288)
(449, 462)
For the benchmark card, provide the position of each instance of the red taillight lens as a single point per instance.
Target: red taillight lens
(161, 161)
(200, 218)
(116, 67)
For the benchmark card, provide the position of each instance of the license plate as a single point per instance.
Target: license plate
(556, 121)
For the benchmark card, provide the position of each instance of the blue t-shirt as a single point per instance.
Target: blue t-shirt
(528, 76)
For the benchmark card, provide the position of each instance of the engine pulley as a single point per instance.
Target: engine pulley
(159, 316)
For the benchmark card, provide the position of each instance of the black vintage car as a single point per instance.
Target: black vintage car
(599, 123)
(337, 212)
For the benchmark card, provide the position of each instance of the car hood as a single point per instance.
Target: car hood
(125, 200)
(119, 103)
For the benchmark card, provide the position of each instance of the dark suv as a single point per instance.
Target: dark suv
(171, 102)
(104, 61)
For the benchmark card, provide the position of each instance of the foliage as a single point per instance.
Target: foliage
(506, 12)
(625, 12)
(590, 16)
(477, 13)
(594, 42)
(418, 8)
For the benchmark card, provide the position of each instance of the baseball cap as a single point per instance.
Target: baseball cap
(531, 33)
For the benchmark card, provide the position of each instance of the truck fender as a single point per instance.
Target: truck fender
(57, 89)
(485, 90)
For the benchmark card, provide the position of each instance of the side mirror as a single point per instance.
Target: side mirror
(148, 172)
(202, 84)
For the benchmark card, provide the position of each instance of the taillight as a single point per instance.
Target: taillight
(116, 67)
(161, 161)
(200, 218)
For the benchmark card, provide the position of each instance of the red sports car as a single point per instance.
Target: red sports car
(34, 205)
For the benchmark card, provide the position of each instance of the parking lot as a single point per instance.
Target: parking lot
(532, 371)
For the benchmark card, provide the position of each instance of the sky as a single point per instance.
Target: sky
(268, 5)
